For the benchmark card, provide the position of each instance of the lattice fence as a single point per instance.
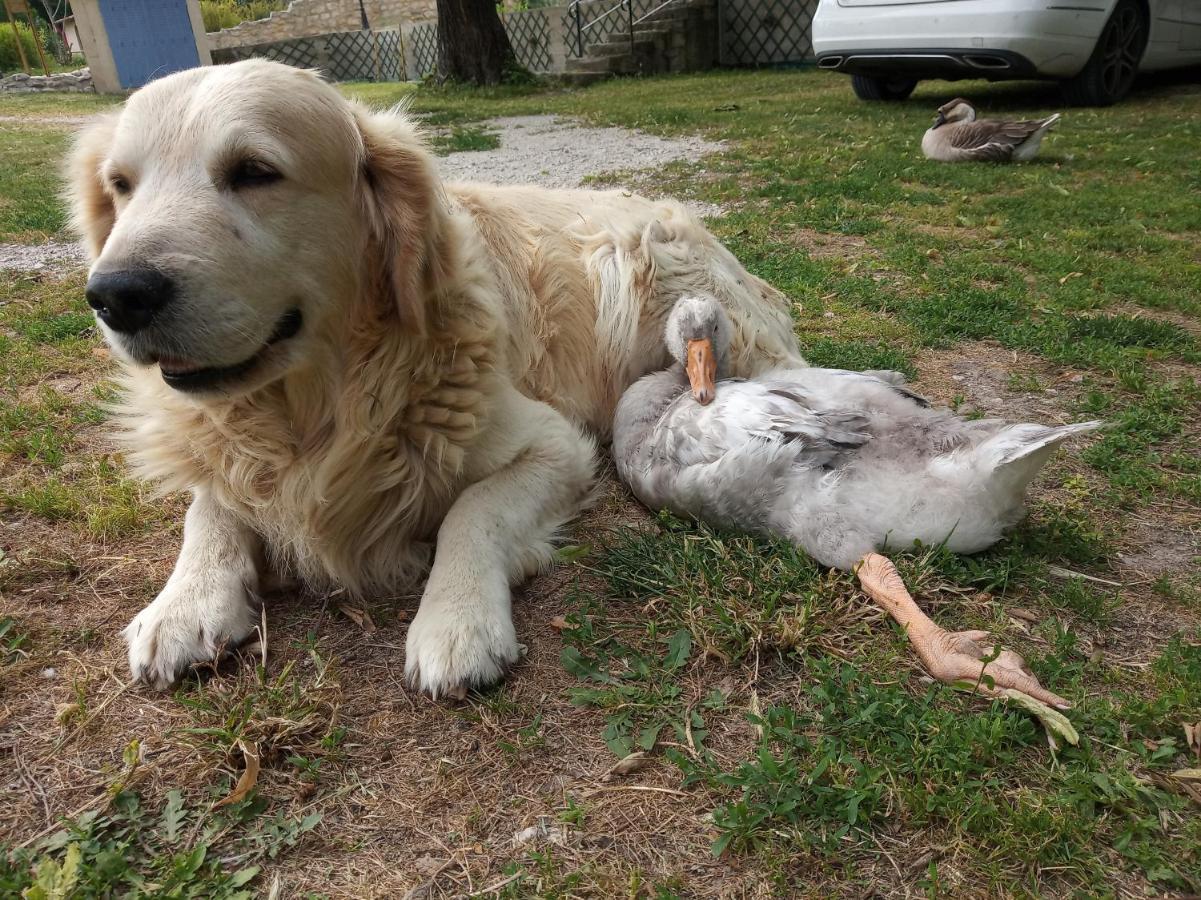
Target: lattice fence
(529, 33)
(342, 56)
(365, 56)
(766, 32)
(421, 50)
(304, 53)
(753, 33)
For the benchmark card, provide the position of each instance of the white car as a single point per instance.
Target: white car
(1093, 47)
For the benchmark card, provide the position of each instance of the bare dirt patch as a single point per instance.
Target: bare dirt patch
(985, 377)
(425, 797)
(963, 233)
(1150, 550)
(1155, 540)
(828, 245)
(852, 252)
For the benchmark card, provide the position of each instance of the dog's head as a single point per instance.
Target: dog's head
(237, 216)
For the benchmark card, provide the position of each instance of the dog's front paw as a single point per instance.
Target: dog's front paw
(451, 649)
(191, 621)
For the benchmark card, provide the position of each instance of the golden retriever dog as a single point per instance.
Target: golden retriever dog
(359, 373)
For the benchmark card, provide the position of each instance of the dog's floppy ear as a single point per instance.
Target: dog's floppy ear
(92, 211)
(405, 207)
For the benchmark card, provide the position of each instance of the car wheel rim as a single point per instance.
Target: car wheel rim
(1121, 45)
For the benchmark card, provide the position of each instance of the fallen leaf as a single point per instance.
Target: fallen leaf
(1068, 277)
(628, 765)
(558, 623)
(248, 779)
(1187, 774)
(1025, 615)
(360, 617)
(101, 352)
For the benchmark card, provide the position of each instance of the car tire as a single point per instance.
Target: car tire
(1109, 73)
(871, 87)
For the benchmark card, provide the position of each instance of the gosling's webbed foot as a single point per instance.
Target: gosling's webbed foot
(953, 657)
(958, 657)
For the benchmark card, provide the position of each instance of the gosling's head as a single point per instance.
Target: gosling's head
(957, 110)
(697, 336)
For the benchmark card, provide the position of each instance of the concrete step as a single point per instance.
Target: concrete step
(672, 14)
(583, 79)
(654, 36)
(621, 46)
(611, 65)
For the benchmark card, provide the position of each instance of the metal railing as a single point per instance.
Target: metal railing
(585, 31)
(581, 30)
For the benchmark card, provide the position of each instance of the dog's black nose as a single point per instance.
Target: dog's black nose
(127, 300)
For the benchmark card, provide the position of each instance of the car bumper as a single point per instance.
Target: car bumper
(930, 63)
(958, 38)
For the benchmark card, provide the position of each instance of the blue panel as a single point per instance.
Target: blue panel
(149, 38)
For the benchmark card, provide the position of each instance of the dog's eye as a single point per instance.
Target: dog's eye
(120, 185)
(250, 173)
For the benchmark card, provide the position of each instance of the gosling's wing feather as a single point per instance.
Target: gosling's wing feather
(775, 412)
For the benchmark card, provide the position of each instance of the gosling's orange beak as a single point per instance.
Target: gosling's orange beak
(702, 370)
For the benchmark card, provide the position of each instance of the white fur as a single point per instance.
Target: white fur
(456, 338)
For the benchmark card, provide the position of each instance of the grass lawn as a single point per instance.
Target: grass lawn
(792, 745)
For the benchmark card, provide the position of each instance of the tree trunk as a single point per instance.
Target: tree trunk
(473, 45)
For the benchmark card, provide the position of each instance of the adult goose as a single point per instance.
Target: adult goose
(958, 136)
(844, 464)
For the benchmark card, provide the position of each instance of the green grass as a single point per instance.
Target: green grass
(127, 850)
(203, 842)
(50, 400)
(30, 160)
(12, 640)
(285, 716)
(465, 138)
(57, 104)
(860, 753)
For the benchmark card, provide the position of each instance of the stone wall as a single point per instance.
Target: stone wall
(304, 18)
(20, 83)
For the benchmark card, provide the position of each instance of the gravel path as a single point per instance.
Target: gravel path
(542, 150)
(33, 257)
(45, 120)
(558, 153)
